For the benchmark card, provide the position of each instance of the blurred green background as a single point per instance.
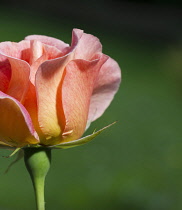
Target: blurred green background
(136, 164)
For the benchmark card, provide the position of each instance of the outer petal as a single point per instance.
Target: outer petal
(77, 89)
(20, 69)
(49, 41)
(16, 127)
(5, 73)
(104, 89)
(19, 82)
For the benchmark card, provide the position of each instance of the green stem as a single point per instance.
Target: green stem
(37, 161)
(39, 193)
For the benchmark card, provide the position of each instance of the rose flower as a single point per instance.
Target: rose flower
(50, 92)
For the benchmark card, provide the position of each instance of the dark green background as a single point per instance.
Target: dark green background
(137, 163)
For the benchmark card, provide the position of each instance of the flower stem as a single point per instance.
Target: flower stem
(37, 161)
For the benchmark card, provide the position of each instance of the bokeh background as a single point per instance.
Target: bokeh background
(136, 164)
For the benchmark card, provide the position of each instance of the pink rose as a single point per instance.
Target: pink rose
(50, 91)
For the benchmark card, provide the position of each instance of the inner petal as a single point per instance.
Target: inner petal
(36, 50)
(40, 53)
(20, 50)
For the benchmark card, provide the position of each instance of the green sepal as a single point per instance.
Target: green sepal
(81, 141)
(19, 156)
(14, 152)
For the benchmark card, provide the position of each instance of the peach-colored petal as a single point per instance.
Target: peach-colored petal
(36, 51)
(88, 45)
(52, 52)
(18, 85)
(37, 57)
(48, 78)
(16, 127)
(49, 41)
(20, 69)
(77, 89)
(20, 50)
(76, 35)
(40, 53)
(30, 104)
(49, 101)
(5, 73)
(104, 89)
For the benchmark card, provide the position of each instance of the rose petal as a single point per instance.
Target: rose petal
(37, 57)
(16, 127)
(36, 51)
(20, 69)
(19, 82)
(76, 35)
(20, 50)
(88, 45)
(49, 101)
(30, 104)
(5, 73)
(48, 78)
(49, 41)
(52, 52)
(104, 89)
(40, 53)
(77, 89)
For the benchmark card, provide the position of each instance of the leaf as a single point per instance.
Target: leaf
(81, 141)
